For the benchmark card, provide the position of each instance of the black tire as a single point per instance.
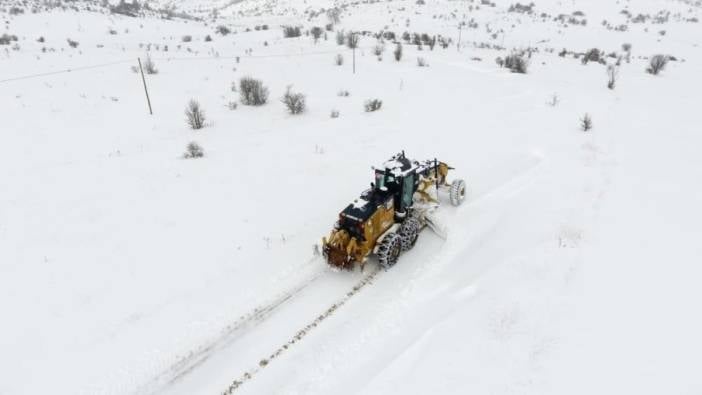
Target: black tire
(457, 193)
(389, 250)
(409, 232)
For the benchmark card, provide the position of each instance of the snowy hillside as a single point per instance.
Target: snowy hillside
(128, 268)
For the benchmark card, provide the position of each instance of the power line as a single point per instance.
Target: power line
(83, 68)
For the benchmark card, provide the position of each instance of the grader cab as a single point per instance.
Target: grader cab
(387, 218)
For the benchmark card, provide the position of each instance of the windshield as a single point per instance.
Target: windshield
(379, 180)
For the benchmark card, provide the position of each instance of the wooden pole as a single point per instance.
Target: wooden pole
(146, 90)
(458, 46)
(355, 43)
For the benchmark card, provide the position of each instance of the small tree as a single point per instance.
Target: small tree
(194, 115)
(316, 33)
(657, 64)
(252, 92)
(398, 52)
(338, 59)
(586, 123)
(612, 74)
(295, 102)
(193, 150)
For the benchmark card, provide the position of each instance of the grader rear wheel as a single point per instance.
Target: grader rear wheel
(409, 232)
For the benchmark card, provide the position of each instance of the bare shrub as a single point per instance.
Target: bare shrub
(343, 93)
(398, 52)
(194, 115)
(339, 59)
(421, 62)
(150, 66)
(187, 38)
(517, 63)
(71, 43)
(612, 74)
(292, 31)
(657, 64)
(232, 105)
(586, 122)
(6, 39)
(352, 40)
(592, 55)
(373, 105)
(378, 49)
(223, 30)
(334, 113)
(500, 62)
(193, 150)
(294, 102)
(316, 33)
(252, 92)
(340, 38)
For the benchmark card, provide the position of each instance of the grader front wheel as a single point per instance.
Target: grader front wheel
(457, 193)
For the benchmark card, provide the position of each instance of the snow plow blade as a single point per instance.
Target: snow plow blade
(436, 225)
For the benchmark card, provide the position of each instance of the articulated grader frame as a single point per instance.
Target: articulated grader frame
(387, 218)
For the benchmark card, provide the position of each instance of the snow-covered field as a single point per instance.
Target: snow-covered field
(573, 267)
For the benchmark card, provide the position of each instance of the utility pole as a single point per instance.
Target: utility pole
(458, 46)
(354, 43)
(145, 89)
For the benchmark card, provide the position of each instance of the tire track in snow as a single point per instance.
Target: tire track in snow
(299, 335)
(230, 333)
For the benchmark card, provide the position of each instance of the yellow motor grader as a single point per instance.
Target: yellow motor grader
(387, 218)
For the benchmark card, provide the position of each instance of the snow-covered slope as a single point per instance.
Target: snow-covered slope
(572, 267)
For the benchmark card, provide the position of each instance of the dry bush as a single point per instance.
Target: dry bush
(195, 115)
(517, 63)
(398, 52)
(586, 122)
(373, 105)
(339, 59)
(657, 64)
(612, 74)
(291, 31)
(252, 92)
(193, 150)
(294, 102)
(340, 38)
(352, 40)
(316, 33)
(150, 66)
(421, 62)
